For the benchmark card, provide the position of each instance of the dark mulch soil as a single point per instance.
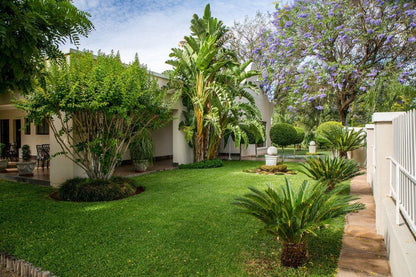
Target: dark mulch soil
(55, 195)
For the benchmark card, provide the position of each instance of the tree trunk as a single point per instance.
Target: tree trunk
(294, 255)
(283, 154)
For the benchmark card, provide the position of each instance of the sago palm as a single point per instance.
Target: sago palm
(293, 215)
(330, 171)
(344, 140)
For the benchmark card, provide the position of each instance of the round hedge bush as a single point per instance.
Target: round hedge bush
(326, 126)
(91, 190)
(300, 135)
(283, 134)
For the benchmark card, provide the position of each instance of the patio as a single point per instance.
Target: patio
(41, 175)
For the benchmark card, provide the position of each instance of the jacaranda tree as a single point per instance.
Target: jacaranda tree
(335, 50)
(96, 107)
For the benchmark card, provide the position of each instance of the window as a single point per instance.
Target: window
(27, 126)
(43, 128)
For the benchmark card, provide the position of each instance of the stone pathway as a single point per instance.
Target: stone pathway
(363, 252)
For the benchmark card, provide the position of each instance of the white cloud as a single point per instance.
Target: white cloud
(150, 29)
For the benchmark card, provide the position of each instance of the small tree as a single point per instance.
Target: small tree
(96, 108)
(283, 134)
(300, 136)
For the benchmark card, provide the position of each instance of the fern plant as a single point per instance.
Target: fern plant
(330, 171)
(343, 140)
(294, 215)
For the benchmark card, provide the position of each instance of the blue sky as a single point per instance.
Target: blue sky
(152, 28)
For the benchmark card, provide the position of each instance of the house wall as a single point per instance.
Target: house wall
(400, 244)
(12, 113)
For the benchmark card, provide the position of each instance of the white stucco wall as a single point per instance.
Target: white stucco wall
(400, 244)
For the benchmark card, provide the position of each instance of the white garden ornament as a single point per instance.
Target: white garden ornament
(271, 158)
(312, 147)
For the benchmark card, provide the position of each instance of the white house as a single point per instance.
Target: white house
(169, 141)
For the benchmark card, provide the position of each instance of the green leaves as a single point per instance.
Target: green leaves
(291, 214)
(344, 140)
(330, 171)
(41, 27)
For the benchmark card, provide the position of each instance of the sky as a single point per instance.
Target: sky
(151, 28)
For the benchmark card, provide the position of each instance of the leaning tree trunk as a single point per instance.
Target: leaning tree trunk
(293, 254)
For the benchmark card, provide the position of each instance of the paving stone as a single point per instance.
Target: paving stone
(363, 251)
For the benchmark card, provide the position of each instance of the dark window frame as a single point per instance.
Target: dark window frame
(28, 130)
(43, 129)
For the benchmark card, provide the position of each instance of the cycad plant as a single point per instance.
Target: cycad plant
(330, 171)
(292, 215)
(344, 140)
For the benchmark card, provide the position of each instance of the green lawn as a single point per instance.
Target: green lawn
(183, 224)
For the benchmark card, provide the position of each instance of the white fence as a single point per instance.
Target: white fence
(403, 168)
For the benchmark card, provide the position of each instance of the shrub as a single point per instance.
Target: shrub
(203, 164)
(293, 215)
(26, 153)
(326, 126)
(274, 168)
(344, 140)
(300, 135)
(283, 134)
(330, 171)
(91, 190)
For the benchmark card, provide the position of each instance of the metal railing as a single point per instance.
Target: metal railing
(403, 169)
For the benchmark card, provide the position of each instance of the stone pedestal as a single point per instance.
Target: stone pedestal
(271, 160)
(312, 147)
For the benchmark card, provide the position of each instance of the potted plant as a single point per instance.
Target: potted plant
(3, 161)
(25, 167)
(141, 153)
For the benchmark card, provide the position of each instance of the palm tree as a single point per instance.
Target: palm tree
(234, 110)
(196, 65)
(330, 171)
(293, 215)
(344, 140)
(214, 84)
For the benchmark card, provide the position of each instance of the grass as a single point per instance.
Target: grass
(183, 224)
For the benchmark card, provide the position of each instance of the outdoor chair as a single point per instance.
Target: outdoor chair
(42, 155)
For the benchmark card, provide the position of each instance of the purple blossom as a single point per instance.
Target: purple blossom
(303, 15)
(405, 5)
(370, 31)
(410, 12)
(296, 91)
(389, 38)
(288, 24)
(319, 16)
(412, 24)
(380, 36)
(355, 40)
(319, 108)
(322, 95)
(339, 27)
(411, 39)
(362, 88)
(307, 35)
